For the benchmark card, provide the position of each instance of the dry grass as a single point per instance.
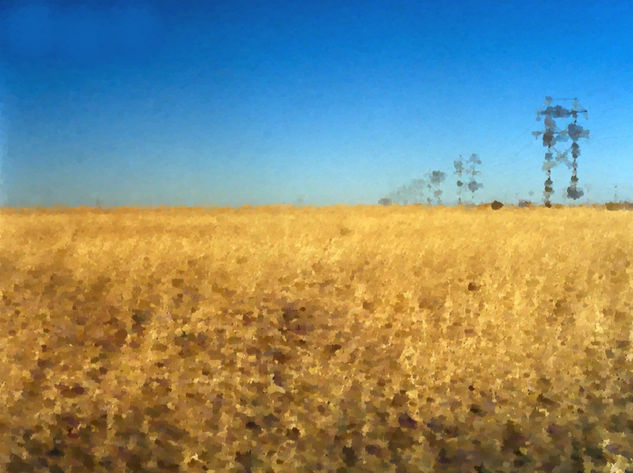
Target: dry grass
(391, 339)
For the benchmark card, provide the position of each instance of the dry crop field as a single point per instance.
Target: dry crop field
(387, 339)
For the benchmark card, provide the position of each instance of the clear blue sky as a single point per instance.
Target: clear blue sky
(253, 102)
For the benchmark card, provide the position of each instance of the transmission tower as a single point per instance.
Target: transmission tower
(552, 135)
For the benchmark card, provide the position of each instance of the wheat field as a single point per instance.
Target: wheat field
(339, 339)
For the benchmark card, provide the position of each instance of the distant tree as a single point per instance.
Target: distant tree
(385, 201)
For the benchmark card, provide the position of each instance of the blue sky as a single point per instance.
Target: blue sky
(249, 102)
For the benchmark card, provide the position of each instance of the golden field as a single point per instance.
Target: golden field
(340, 339)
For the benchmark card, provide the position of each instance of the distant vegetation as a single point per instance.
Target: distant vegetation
(619, 205)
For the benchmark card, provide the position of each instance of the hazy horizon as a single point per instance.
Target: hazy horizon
(252, 103)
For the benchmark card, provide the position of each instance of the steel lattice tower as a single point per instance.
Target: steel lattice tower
(553, 135)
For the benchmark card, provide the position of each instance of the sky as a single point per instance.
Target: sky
(314, 102)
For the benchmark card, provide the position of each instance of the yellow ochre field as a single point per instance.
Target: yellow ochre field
(335, 339)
